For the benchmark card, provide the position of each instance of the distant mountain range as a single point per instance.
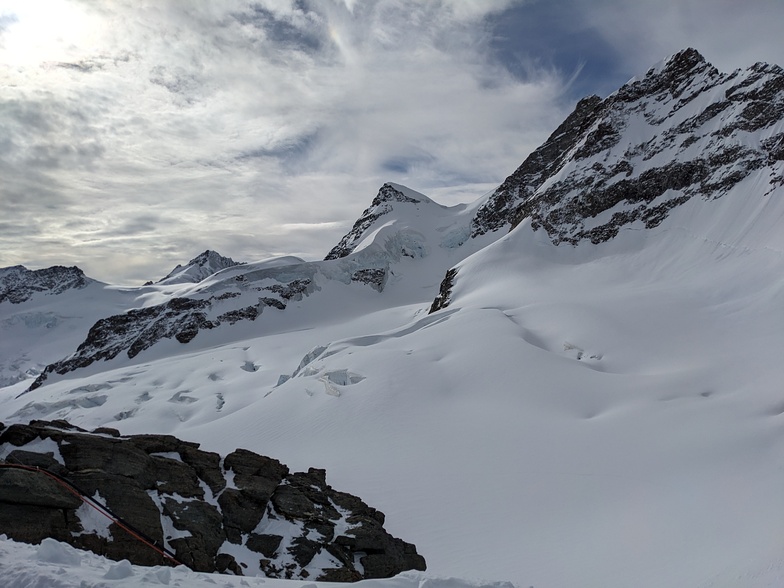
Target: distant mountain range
(602, 324)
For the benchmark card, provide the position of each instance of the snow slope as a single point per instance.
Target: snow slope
(56, 565)
(608, 415)
(603, 414)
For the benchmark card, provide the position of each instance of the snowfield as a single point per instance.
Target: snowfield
(57, 565)
(606, 415)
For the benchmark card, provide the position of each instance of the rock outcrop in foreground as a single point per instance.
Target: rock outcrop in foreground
(243, 514)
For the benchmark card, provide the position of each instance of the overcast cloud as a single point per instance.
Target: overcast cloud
(134, 135)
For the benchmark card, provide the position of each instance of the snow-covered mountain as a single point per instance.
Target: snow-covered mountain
(401, 228)
(200, 267)
(683, 130)
(574, 381)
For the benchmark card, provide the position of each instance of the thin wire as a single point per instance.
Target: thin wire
(138, 535)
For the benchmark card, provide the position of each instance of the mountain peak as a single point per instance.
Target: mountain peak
(684, 60)
(211, 257)
(203, 265)
(382, 204)
(390, 192)
(682, 130)
(674, 75)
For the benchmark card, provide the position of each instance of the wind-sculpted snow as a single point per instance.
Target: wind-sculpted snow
(58, 565)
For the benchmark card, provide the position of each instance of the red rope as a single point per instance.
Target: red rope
(98, 507)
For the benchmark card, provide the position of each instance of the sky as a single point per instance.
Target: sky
(136, 134)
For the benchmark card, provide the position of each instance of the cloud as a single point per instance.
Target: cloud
(232, 125)
(156, 130)
(6, 20)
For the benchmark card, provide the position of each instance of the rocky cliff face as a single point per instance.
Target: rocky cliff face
(243, 513)
(18, 284)
(684, 130)
(541, 164)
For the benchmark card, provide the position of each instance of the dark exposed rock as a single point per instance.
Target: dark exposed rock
(537, 167)
(225, 563)
(161, 443)
(563, 217)
(107, 431)
(340, 575)
(293, 290)
(176, 477)
(672, 81)
(111, 456)
(267, 545)
(45, 461)
(40, 522)
(31, 488)
(249, 313)
(133, 332)
(255, 475)
(190, 502)
(445, 291)
(203, 522)
(289, 500)
(183, 318)
(603, 137)
(373, 277)
(206, 465)
(241, 514)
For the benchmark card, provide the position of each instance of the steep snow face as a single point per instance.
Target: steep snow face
(682, 131)
(409, 206)
(199, 268)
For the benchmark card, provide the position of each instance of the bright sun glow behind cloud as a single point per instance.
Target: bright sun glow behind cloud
(48, 31)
